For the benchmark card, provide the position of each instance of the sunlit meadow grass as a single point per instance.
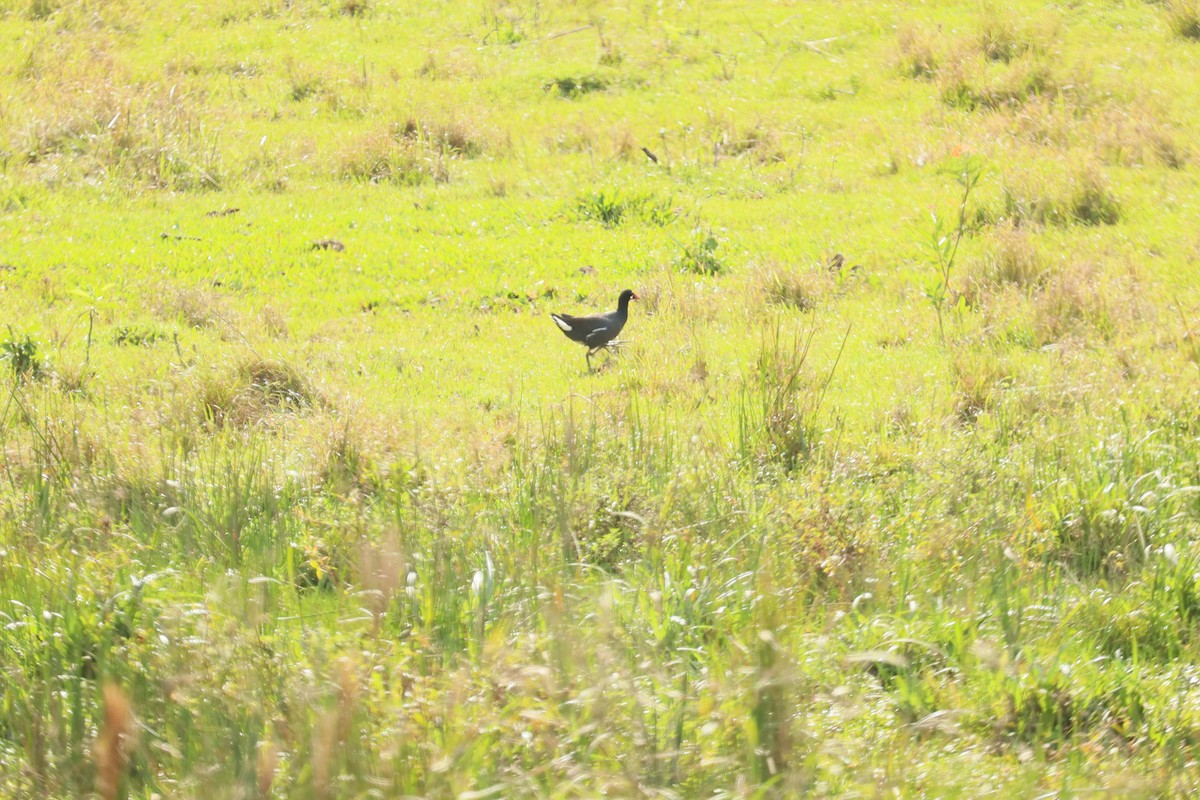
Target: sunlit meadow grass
(302, 494)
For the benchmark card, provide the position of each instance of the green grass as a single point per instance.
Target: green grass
(887, 492)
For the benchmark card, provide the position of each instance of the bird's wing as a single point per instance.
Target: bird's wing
(561, 323)
(598, 333)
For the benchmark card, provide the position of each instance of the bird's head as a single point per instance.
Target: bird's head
(628, 295)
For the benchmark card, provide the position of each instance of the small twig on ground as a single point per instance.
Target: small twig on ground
(567, 33)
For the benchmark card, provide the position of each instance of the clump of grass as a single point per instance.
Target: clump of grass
(610, 55)
(198, 307)
(1011, 258)
(342, 463)
(1043, 121)
(1000, 38)
(255, 389)
(1081, 299)
(1042, 705)
(799, 290)
(137, 335)
(73, 378)
(760, 142)
(917, 54)
(957, 84)
(304, 86)
(666, 293)
(315, 564)
(802, 289)
(970, 83)
(454, 137)
(391, 156)
(1183, 18)
(156, 140)
(276, 381)
(275, 323)
(1086, 199)
(1091, 200)
(571, 87)
(1110, 504)
(781, 414)
(822, 536)
(962, 71)
(1154, 617)
(41, 9)
(612, 209)
(1134, 138)
(979, 379)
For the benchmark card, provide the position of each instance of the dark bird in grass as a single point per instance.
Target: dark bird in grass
(598, 330)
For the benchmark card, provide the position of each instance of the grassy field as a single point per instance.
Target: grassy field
(892, 491)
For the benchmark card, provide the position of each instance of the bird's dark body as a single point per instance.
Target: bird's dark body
(598, 330)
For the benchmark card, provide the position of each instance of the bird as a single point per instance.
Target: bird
(598, 330)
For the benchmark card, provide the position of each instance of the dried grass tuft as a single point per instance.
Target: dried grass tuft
(253, 392)
(1086, 198)
(1183, 18)
(916, 55)
(1011, 258)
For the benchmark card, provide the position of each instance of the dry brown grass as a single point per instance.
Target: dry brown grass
(454, 136)
(1002, 37)
(800, 288)
(355, 8)
(275, 323)
(197, 306)
(671, 295)
(147, 136)
(760, 140)
(416, 151)
(114, 743)
(579, 137)
(1083, 300)
(999, 37)
(387, 155)
(1002, 65)
(1128, 134)
(453, 64)
(1183, 18)
(1042, 121)
(252, 392)
(969, 82)
(1135, 137)
(979, 380)
(916, 55)
(1083, 196)
(1011, 258)
(625, 145)
(352, 449)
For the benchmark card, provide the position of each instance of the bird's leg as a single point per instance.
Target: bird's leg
(588, 356)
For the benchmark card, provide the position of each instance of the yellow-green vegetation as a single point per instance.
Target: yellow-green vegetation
(892, 491)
